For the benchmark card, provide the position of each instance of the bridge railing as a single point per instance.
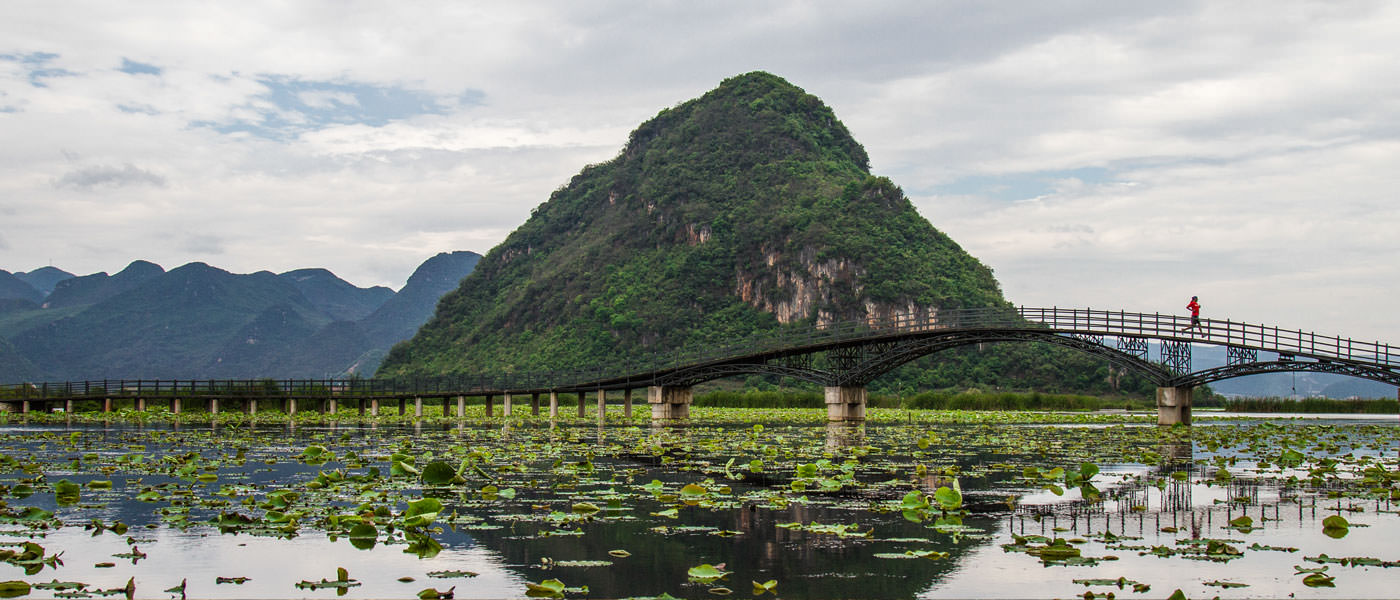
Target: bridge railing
(1067, 320)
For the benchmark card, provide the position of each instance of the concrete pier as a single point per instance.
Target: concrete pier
(490, 405)
(174, 406)
(535, 404)
(582, 397)
(252, 406)
(669, 403)
(627, 403)
(461, 406)
(374, 407)
(417, 407)
(845, 403)
(553, 405)
(505, 406)
(213, 406)
(291, 406)
(602, 404)
(1174, 405)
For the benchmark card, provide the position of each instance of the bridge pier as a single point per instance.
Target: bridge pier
(505, 406)
(106, 405)
(213, 406)
(1174, 405)
(174, 406)
(291, 406)
(252, 406)
(627, 404)
(490, 401)
(582, 397)
(331, 406)
(461, 406)
(535, 404)
(553, 405)
(140, 405)
(373, 407)
(845, 402)
(602, 404)
(669, 403)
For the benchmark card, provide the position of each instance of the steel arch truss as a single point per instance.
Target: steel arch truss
(783, 368)
(1371, 372)
(893, 354)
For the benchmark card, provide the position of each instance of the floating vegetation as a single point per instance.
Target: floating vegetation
(639, 511)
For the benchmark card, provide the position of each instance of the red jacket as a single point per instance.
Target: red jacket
(1195, 308)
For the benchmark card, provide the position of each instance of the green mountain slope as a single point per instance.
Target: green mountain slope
(746, 210)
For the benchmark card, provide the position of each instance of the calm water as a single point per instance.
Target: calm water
(627, 511)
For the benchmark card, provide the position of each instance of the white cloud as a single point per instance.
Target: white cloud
(1110, 154)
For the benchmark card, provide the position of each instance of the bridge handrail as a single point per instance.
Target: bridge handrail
(1081, 321)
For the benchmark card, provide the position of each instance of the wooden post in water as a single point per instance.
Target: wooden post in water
(252, 406)
(582, 397)
(553, 405)
(403, 406)
(445, 401)
(535, 404)
(291, 406)
(332, 406)
(174, 406)
(24, 406)
(627, 403)
(490, 402)
(140, 404)
(68, 406)
(373, 407)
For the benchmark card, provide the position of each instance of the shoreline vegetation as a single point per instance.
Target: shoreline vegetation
(720, 407)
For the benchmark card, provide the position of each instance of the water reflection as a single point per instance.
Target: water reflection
(818, 542)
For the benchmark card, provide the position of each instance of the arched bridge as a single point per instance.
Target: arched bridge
(843, 357)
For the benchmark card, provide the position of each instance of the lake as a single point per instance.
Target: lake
(910, 504)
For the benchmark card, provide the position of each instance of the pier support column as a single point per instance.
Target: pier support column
(140, 405)
(461, 406)
(602, 404)
(582, 397)
(417, 407)
(505, 406)
(403, 406)
(291, 406)
(669, 402)
(106, 405)
(535, 404)
(373, 407)
(213, 406)
(68, 406)
(445, 410)
(174, 406)
(332, 406)
(1174, 405)
(252, 406)
(554, 405)
(845, 403)
(24, 407)
(627, 403)
(490, 405)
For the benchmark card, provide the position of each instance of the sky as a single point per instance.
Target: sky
(1114, 155)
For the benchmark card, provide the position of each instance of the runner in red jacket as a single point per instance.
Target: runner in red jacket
(1195, 308)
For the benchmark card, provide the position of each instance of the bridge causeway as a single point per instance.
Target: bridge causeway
(842, 357)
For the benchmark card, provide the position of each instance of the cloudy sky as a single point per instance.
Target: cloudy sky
(1104, 154)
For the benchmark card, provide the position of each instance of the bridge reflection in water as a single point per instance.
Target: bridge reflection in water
(842, 357)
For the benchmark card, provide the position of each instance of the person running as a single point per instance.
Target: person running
(1195, 308)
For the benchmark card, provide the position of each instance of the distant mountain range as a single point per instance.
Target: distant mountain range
(201, 322)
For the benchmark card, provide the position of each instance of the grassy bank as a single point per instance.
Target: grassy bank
(936, 400)
(1371, 406)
